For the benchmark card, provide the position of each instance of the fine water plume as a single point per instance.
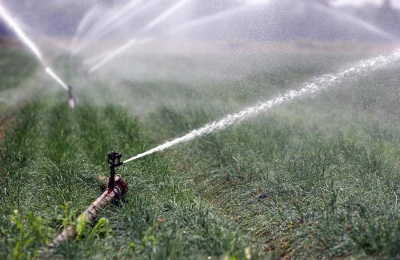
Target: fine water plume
(103, 58)
(82, 26)
(56, 78)
(345, 17)
(164, 15)
(211, 18)
(314, 87)
(248, 22)
(22, 36)
(117, 52)
(113, 21)
(117, 14)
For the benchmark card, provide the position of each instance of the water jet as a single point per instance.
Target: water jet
(316, 86)
(29, 43)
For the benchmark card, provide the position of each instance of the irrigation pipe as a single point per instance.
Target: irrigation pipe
(116, 189)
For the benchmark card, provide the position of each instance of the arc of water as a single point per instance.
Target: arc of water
(116, 15)
(132, 41)
(211, 18)
(56, 78)
(311, 88)
(83, 24)
(340, 16)
(117, 52)
(164, 15)
(113, 22)
(22, 36)
(102, 59)
(233, 11)
(10, 21)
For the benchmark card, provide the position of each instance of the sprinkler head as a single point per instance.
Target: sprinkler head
(71, 98)
(114, 161)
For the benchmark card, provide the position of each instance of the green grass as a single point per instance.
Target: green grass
(303, 194)
(312, 179)
(15, 67)
(52, 155)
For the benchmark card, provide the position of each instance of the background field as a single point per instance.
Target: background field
(315, 178)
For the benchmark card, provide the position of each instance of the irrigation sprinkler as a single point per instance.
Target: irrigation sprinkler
(114, 161)
(71, 98)
(116, 189)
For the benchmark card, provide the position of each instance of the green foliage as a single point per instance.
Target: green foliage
(15, 67)
(66, 215)
(25, 236)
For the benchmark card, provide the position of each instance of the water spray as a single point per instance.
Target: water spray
(220, 15)
(317, 85)
(8, 19)
(340, 16)
(119, 16)
(32, 46)
(133, 41)
(56, 78)
(117, 52)
(103, 59)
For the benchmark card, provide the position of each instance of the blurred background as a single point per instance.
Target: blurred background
(290, 19)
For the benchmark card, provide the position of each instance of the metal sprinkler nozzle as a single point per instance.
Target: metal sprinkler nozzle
(114, 161)
(71, 98)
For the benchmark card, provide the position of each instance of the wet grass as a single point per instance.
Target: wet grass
(300, 192)
(313, 179)
(53, 155)
(15, 67)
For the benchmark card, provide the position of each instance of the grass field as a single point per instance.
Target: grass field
(313, 179)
